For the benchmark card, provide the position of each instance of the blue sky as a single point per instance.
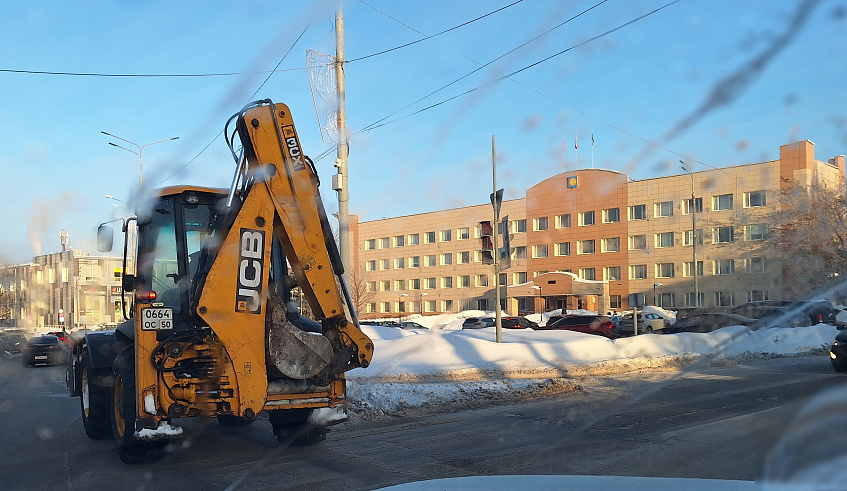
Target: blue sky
(634, 85)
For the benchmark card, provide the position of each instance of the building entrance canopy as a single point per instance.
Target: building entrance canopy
(558, 284)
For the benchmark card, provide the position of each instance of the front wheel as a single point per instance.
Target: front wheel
(94, 402)
(291, 426)
(123, 411)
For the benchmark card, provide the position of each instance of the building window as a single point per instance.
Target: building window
(399, 240)
(585, 247)
(686, 206)
(638, 212)
(755, 198)
(520, 225)
(401, 307)
(429, 283)
(372, 308)
(415, 284)
(689, 265)
(563, 221)
(724, 299)
(612, 273)
(447, 306)
(385, 286)
(666, 300)
(447, 282)
(429, 238)
(664, 209)
(637, 242)
(689, 300)
(588, 273)
(447, 259)
(638, 272)
(399, 263)
(482, 280)
(757, 295)
(520, 277)
(686, 237)
(723, 235)
(614, 301)
(465, 281)
(370, 265)
(463, 233)
(756, 265)
(586, 218)
(664, 270)
(371, 286)
(664, 239)
(482, 304)
(384, 264)
(612, 215)
(563, 249)
(724, 266)
(370, 244)
(430, 306)
(756, 232)
(386, 307)
(429, 260)
(539, 250)
(463, 257)
(503, 279)
(399, 285)
(612, 244)
(722, 202)
(414, 239)
(446, 235)
(520, 252)
(384, 243)
(415, 262)
(539, 224)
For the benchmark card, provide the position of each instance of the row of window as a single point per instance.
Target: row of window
(721, 299)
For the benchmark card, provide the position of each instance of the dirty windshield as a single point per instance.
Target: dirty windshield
(581, 244)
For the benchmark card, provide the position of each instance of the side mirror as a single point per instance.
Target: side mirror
(105, 237)
(128, 283)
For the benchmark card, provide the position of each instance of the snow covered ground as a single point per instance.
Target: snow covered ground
(445, 365)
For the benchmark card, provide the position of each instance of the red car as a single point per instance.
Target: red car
(589, 324)
(517, 322)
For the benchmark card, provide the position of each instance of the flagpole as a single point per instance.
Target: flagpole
(592, 149)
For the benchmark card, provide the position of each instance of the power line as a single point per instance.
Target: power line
(429, 37)
(251, 97)
(144, 75)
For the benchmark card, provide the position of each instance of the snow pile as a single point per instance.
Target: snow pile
(420, 368)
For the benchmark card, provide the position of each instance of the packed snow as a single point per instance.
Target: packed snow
(445, 365)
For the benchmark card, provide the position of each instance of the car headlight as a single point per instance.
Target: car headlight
(832, 355)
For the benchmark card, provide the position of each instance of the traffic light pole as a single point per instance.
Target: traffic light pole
(496, 226)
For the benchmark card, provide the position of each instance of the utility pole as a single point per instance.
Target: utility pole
(340, 184)
(495, 202)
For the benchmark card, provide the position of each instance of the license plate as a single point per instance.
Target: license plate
(41, 357)
(157, 319)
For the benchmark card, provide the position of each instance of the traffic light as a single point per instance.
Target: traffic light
(486, 242)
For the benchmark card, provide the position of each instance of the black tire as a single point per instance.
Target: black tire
(650, 330)
(839, 366)
(290, 426)
(230, 421)
(123, 414)
(94, 401)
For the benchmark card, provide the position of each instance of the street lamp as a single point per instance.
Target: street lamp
(654, 293)
(422, 295)
(399, 300)
(693, 210)
(140, 148)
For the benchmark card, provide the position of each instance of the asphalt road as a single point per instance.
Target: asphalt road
(703, 422)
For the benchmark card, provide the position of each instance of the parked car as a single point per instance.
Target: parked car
(771, 316)
(819, 311)
(46, 349)
(478, 322)
(63, 336)
(647, 323)
(12, 341)
(517, 322)
(589, 324)
(708, 322)
(838, 352)
(411, 325)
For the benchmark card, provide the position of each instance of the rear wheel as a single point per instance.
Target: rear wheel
(94, 402)
(291, 426)
(123, 414)
(230, 421)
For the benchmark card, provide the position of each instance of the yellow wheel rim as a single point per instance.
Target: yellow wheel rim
(120, 424)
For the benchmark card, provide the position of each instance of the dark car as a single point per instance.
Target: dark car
(12, 341)
(478, 322)
(773, 316)
(589, 324)
(838, 352)
(517, 322)
(819, 311)
(411, 325)
(708, 322)
(46, 349)
(63, 336)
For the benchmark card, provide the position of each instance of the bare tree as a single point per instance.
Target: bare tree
(813, 235)
(7, 293)
(360, 291)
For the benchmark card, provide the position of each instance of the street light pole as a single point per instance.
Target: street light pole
(140, 149)
(693, 210)
(654, 293)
